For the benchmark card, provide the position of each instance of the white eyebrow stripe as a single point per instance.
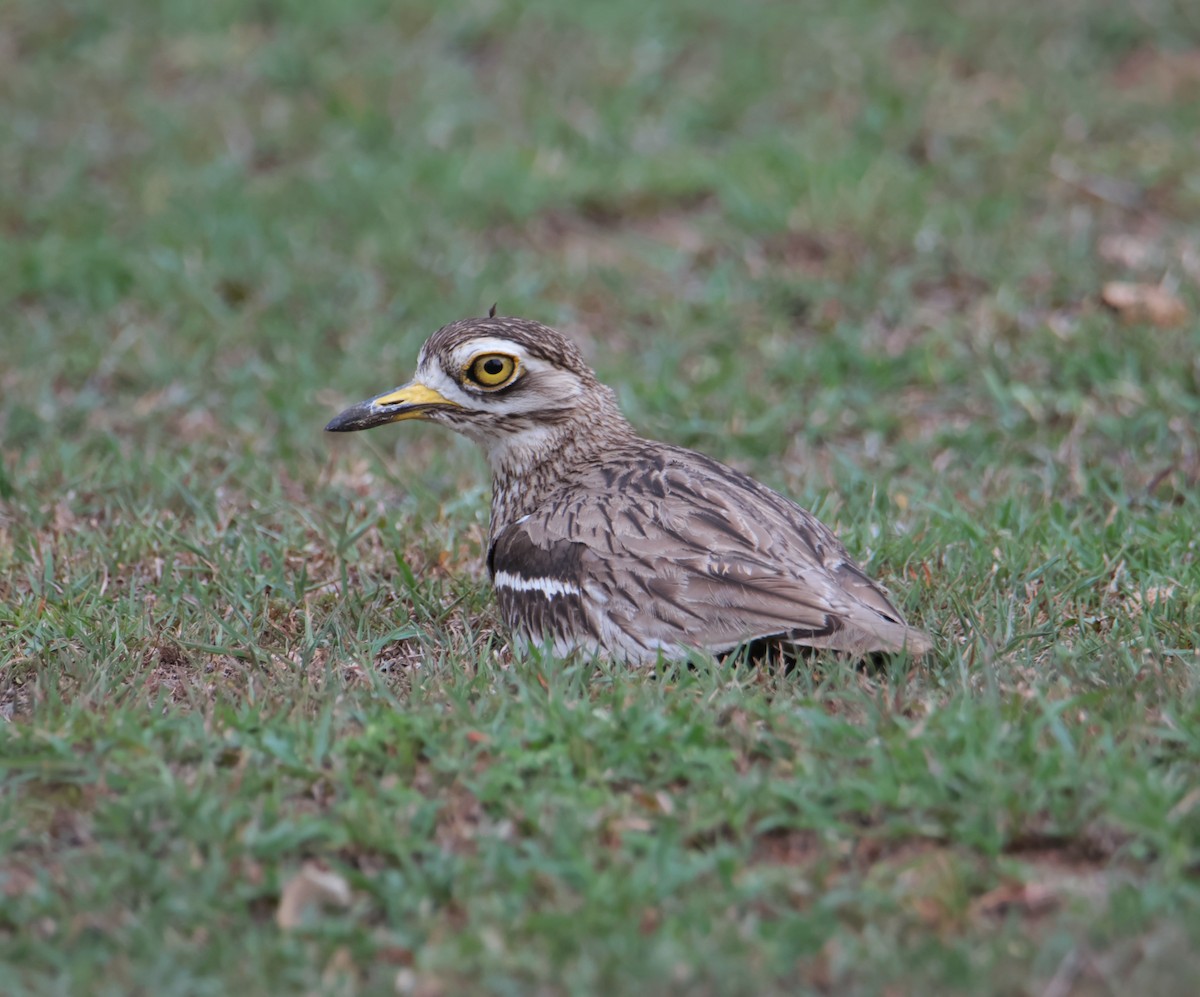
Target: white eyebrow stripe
(551, 588)
(485, 344)
(463, 354)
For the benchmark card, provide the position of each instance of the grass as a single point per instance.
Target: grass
(856, 249)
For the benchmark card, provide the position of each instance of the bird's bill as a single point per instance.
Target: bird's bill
(412, 401)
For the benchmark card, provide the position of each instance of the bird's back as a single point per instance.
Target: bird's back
(656, 549)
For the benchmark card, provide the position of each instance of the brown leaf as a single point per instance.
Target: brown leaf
(650, 920)
(1029, 899)
(1150, 303)
(16, 881)
(1132, 251)
(312, 886)
(656, 801)
(1169, 73)
(340, 974)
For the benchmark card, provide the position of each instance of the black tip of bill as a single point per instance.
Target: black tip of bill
(356, 417)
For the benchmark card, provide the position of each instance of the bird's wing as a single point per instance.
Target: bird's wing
(680, 551)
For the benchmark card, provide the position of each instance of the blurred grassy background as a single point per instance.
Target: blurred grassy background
(855, 248)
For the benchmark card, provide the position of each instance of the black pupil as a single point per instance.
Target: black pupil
(493, 366)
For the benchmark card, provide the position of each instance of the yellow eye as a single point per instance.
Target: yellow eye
(490, 370)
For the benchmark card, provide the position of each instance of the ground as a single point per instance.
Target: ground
(931, 269)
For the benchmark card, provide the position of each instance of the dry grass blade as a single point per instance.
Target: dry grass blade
(311, 887)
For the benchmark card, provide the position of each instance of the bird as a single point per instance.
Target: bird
(605, 543)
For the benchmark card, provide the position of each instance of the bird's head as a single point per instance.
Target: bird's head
(509, 384)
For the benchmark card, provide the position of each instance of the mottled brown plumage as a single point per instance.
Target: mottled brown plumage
(609, 543)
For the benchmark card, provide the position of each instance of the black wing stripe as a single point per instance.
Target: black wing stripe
(539, 586)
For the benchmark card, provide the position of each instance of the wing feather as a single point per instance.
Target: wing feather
(692, 554)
